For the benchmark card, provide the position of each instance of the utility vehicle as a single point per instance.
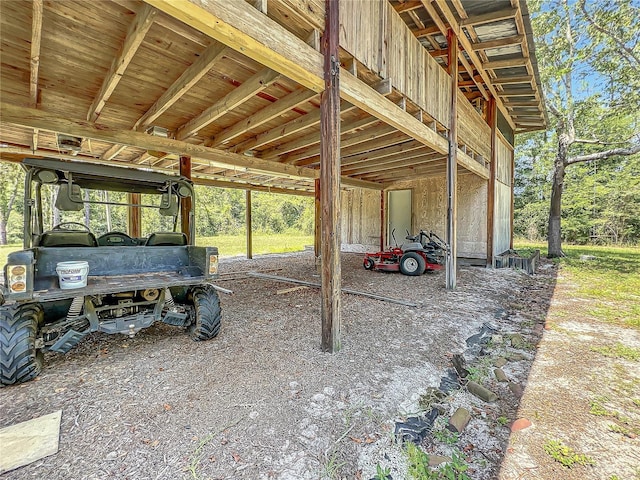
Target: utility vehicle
(132, 282)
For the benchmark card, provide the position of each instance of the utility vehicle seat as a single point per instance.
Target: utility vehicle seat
(69, 238)
(166, 239)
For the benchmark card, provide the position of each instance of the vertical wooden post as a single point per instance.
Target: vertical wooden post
(452, 160)
(134, 216)
(249, 226)
(318, 219)
(330, 181)
(492, 120)
(186, 214)
(382, 223)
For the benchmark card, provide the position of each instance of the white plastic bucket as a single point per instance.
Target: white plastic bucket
(72, 274)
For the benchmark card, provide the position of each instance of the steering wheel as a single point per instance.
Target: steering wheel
(116, 238)
(59, 226)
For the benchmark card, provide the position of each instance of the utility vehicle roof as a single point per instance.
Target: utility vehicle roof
(107, 177)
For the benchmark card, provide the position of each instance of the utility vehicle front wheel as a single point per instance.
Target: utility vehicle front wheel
(19, 359)
(368, 264)
(412, 264)
(207, 313)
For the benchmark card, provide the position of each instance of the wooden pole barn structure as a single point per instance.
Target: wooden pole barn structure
(349, 101)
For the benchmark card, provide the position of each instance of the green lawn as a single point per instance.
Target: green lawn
(228, 245)
(611, 280)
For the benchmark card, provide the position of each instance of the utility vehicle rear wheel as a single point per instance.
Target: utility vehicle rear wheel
(207, 312)
(412, 264)
(368, 264)
(19, 359)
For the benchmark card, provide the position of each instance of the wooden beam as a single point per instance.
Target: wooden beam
(489, 17)
(330, 181)
(248, 222)
(435, 17)
(512, 80)
(317, 231)
(238, 96)
(32, 118)
(500, 42)
(187, 225)
(135, 35)
(277, 108)
(186, 81)
(134, 215)
(242, 28)
(492, 120)
(407, 6)
(36, 37)
(512, 62)
(425, 32)
(112, 152)
(452, 179)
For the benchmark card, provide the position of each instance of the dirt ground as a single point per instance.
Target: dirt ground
(261, 401)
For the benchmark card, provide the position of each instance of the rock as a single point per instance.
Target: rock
(318, 397)
(586, 258)
(481, 392)
(515, 357)
(500, 375)
(500, 362)
(520, 424)
(517, 340)
(329, 391)
(435, 460)
(459, 364)
(516, 389)
(497, 339)
(112, 455)
(459, 420)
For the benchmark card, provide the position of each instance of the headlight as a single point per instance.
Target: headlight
(213, 264)
(17, 278)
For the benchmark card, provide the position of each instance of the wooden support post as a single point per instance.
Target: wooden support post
(330, 181)
(249, 227)
(452, 167)
(186, 213)
(513, 200)
(492, 120)
(318, 219)
(135, 216)
(382, 223)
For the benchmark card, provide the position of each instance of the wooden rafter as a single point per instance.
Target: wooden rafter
(489, 17)
(188, 79)
(407, 6)
(239, 95)
(135, 35)
(499, 42)
(36, 36)
(292, 100)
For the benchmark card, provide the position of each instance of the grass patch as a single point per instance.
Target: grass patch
(6, 250)
(611, 281)
(565, 455)
(618, 351)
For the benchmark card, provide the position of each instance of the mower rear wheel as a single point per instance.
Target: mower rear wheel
(368, 264)
(412, 264)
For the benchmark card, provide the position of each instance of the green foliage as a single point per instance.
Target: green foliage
(565, 455)
(382, 473)
(419, 466)
(619, 351)
(446, 436)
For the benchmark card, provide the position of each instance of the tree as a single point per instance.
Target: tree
(11, 179)
(588, 126)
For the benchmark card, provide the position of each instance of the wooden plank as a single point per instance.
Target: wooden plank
(330, 181)
(500, 42)
(26, 442)
(492, 120)
(452, 179)
(32, 118)
(249, 226)
(36, 37)
(188, 79)
(134, 215)
(407, 6)
(291, 290)
(241, 94)
(318, 219)
(277, 108)
(512, 80)
(512, 62)
(135, 35)
(187, 225)
(489, 17)
(277, 278)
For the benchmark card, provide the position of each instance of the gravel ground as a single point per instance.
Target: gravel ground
(261, 401)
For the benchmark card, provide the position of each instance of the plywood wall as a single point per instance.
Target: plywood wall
(360, 210)
(502, 214)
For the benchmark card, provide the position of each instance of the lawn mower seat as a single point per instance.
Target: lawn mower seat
(166, 239)
(68, 238)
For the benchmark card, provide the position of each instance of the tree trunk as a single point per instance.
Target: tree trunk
(554, 240)
(3, 231)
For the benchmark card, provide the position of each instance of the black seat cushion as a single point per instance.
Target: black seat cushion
(59, 238)
(165, 239)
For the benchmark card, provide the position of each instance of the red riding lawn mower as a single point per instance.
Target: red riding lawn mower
(424, 252)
